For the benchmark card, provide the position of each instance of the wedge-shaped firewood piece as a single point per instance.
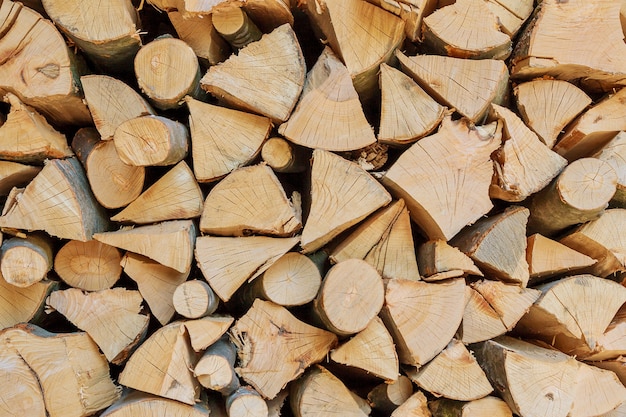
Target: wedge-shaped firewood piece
(371, 350)
(573, 313)
(215, 369)
(329, 114)
(259, 79)
(48, 81)
(21, 305)
(548, 258)
(112, 102)
(511, 14)
(612, 344)
(267, 332)
(547, 106)
(437, 260)
(385, 241)
(137, 403)
(71, 374)
(363, 35)
(422, 317)
(223, 139)
(319, 392)
(488, 406)
(617, 365)
(411, 12)
(156, 242)
(531, 379)
(415, 406)
(89, 266)
(480, 320)
(207, 330)
(484, 81)
(199, 33)
(249, 200)
(268, 13)
(111, 318)
(523, 164)
(579, 194)
(554, 44)
(27, 137)
(407, 112)
(25, 261)
(58, 201)
(455, 159)
(466, 29)
(386, 397)
(228, 262)
(454, 374)
(614, 153)
(13, 174)
(511, 302)
(498, 245)
(175, 196)
(597, 392)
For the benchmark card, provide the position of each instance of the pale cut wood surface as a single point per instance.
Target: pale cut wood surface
(25, 261)
(511, 14)
(597, 392)
(386, 397)
(215, 369)
(89, 266)
(411, 12)
(284, 156)
(198, 32)
(437, 257)
(415, 406)
(137, 403)
(614, 153)
(194, 299)
(205, 331)
(488, 406)
(14, 174)
(246, 402)
(233, 23)
(480, 320)
(22, 305)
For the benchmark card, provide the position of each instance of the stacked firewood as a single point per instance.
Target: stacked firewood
(313, 208)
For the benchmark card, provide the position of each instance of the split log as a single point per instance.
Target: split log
(470, 95)
(613, 342)
(199, 33)
(13, 174)
(386, 397)
(437, 261)
(136, 403)
(480, 321)
(250, 200)
(26, 261)
(89, 266)
(22, 305)
(614, 153)
(207, 330)
(259, 79)
(59, 201)
(342, 194)
(411, 12)
(415, 406)
(597, 392)
(485, 407)
(215, 369)
(283, 156)
(235, 26)
(329, 114)
(433, 164)
(617, 365)
(110, 317)
(246, 402)
(194, 299)
(223, 139)
(511, 14)
(579, 194)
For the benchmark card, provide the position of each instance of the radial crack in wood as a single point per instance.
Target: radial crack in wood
(26, 261)
(597, 392)
(13, 174)
(480, 320)
(22, 305)
(89, 266)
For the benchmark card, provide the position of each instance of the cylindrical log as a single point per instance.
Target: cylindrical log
(215, 369)
(24, 262)
(90, 266)
(246, 402)
(387, 397)
(235, 26)
(194, 299)
(282, 156)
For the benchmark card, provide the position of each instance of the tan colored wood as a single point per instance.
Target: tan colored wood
(329, 114)
(511, 14)
(232, 22)
(407, 112)
(205, 331)
(547, 106)
(199, 33)
(155, 240)
(223, 139)
(420, 174)
(151, 140)
(59, 201)
(283, 156)
(480, 320)
(215, 369)
(385, 241)
(14, 174)
(548, 258)
(25, 261)
(250, 200)
(466, 29)
(137, 403)
(511, 302)
(371, 158)
(112, 102)
(267, 332)
(246, 402)
(259, 79)
(612, 344)
(159, 202)
(597, 392)
(111, 318)
(89, 266)
(27, 137)
(607, 263)
(488, 406)
(617, 365)
(411, 12)
(342, 194)
(228, 262)
(194, 299)
(436, 258)
(484, 81)
(372, 350)
(22, 305)
(386, 397)
(438, 314)
(415, 406)
(560, 42)
(580, 193)
(614, 153)
(619, 411)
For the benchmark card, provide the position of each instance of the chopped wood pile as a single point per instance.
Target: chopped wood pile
(312, 208)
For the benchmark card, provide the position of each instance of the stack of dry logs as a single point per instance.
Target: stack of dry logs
(323, 207)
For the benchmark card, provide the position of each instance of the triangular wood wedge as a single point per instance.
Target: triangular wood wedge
(466, 29)
(511, 302)
(437, 259)
(411, 11)
(618, 366)
(228, 262)
(372, 350)
(265, 77)
(155, 282)
(363, 35)
(163, 366)
(548, 258)
(207, 330)
(13, 174)
(112, 102)
(483, 82)
(329, 114)
(614, 153)
(444, 178)
(385, 241)
(110, 317)
(414, 309)
(612, 344)
(498, 245)
(198, 32)
(415, 406)
(22, 305)
(170, 243)
(480, 320)
(597, 392)
(175, 196)
(137, 403)
(386, 397)
(511, 14)
(250, 200)
(267, 332)
(524, 165)
(547, 106)
(407, 112)
(488, 406)
(59, 201)
(223, 139)
(27, 137)
(89, 266)
(454, 374)
(342, 194)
